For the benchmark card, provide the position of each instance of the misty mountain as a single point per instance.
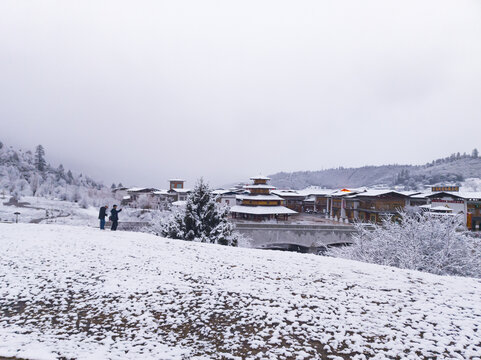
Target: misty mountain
(27, 173)
(453, 170)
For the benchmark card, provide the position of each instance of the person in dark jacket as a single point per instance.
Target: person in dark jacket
(114, 217)
(102, 215)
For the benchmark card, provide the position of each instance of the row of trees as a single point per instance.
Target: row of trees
(418, 181)
(454, 157)
(23, 173)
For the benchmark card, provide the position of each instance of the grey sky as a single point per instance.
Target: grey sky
(141, 91)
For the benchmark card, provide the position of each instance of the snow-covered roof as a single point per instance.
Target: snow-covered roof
(344, 192)
(410, 192)
(161, 192)
(141, 189)
(122, 188)
(177, 180)
(179, 203)
(258, 197)
(259, 186)
(219, 191)
(369, 193)
(127, 197)
(316, 191)
(288, 193)
(136, 189)
(181, 191)
(420, 196)
(471, 195)
(260, 177)
(467, 195)
(227, 191)
(262, 210)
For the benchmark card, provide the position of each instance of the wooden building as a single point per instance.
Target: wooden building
(375, 205)
(466, 204)
(293, 199)
(260, 204)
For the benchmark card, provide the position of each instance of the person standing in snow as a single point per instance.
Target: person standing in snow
(114, 217)
(102, 215)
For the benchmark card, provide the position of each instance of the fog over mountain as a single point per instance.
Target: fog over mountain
(452, 170)
(144, 91)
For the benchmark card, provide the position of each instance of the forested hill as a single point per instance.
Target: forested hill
(27, 173)
(453, 170)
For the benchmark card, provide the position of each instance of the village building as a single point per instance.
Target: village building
(139, 197)
(176, 191)
(466, 204)
(228, 197)
(337, 204)
(415, 198)
(260, 204)
(375, 205)
(119, 192)
(309, 204)
(293, 199)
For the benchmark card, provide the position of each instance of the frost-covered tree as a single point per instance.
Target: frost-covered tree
(202, 219)
(40, 163)
(419, 241)
(70, 179)
(60, 172)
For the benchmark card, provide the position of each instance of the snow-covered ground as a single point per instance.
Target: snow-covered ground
(77, 292)
(50, 211)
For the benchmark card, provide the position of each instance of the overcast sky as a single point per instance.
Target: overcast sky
(142, 91)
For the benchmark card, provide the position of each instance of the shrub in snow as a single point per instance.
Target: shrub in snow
(419, 241)
(84, 204)
(203, 219)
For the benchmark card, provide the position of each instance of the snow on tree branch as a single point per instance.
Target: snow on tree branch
(419, 241)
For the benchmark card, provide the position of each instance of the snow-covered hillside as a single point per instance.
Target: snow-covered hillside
(23, 174)
(76, 292)
(450, 170)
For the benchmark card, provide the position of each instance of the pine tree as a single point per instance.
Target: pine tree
(475, 153)
(60, 172)
(70, 178)
(40, 163)
(120, 185)
(203, 220)
(1, 145)
(112, 186)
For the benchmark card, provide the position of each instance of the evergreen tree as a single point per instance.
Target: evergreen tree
(70, 178)
(1, 145)
(112, 186)
(40, 163)
(120, 185)
(475, 153)
(60, 172)
(203, 220)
